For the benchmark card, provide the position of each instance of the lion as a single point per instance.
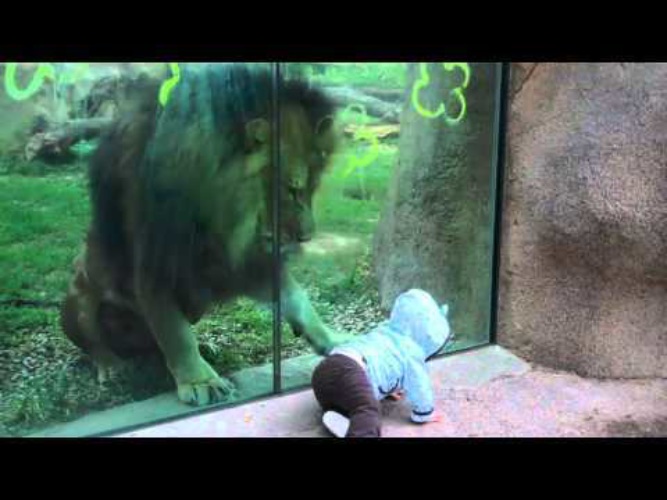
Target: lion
(182, 218)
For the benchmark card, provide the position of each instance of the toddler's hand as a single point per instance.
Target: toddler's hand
(397, 395)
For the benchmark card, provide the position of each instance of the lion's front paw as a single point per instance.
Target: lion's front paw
(204, 388)
(205, 392)
(108, 367)
(105, 374)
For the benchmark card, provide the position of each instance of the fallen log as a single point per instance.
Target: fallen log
(56, 139)
(390, 95)
(346, 96)
(379, 131)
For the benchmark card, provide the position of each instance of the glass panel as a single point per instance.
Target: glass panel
(406, 200)
(181, 234)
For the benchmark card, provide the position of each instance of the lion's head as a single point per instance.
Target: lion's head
(208, 168)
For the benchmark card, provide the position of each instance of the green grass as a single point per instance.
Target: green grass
(41, 229)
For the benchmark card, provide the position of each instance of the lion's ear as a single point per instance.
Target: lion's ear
(257, 132)
(326, 132)
(324, 125)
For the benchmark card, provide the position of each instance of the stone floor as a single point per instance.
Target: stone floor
(486, 392)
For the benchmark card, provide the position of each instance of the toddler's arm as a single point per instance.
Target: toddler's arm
(417, 385)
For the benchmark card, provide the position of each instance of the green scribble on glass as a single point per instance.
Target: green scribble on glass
(458, 91)
(362, 133)
(42, 72)
(465, 67)
(354, 162)
(424, 80)
(168, 85)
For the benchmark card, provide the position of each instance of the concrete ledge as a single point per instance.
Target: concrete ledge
(486, 392)
(298, 414)
(250, 382)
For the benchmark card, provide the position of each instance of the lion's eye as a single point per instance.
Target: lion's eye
(293, 193)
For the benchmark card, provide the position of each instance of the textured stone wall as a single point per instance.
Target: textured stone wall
(584, 262)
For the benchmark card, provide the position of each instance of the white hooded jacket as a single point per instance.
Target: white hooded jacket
(394, 354)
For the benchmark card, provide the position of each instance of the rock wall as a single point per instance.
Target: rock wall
(584, 268)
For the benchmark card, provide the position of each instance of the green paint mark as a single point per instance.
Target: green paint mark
(47, 70)
(458, 91)
(424, 80)
(43, 72)
(168, 85)
(362, 133)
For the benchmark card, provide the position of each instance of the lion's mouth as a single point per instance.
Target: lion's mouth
(288, 248)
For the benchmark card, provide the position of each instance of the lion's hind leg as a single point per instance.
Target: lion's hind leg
(78, 316)
(79, 320)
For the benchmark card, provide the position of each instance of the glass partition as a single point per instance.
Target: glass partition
(136, 260)
(406, 200)
(180, 237)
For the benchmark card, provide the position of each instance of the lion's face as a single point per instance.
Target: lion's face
(305, 157)
(305, 154)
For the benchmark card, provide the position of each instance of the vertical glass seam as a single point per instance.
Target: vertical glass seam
(498, 166)
(276, 219)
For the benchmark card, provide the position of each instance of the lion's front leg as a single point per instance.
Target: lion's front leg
(197, 382)
(304, 320)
